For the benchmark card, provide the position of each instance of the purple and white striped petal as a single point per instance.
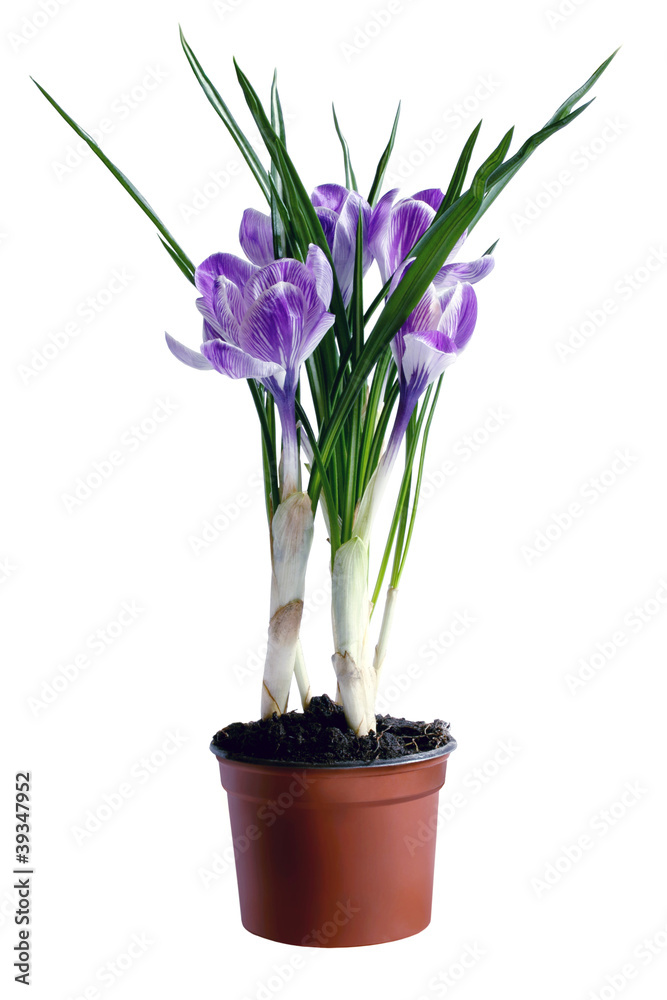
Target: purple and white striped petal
(459, 314)
(377, 232)
(229, 308)
(328, 220)
(313, 333)
(219, 321)
(256, 237)
(398, 274)
(208, 333)
(185, 354)
(425, 357)
(212, 329)
(408, 223)
(470, 271)
(426, 314)
(284, 271)
(320, 269)
(226, 264)
(344, 248)
(331, 196)
(432, 197)
(453, 254)
(338, 210)
(235, 363)
(272, 328)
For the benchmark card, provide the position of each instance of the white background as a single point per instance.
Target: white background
(157, 867)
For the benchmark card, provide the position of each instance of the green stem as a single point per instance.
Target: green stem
(405, 484)
(400, 565)
(269, 441)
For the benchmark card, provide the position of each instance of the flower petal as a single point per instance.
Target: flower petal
(459, 314)
(219, 321)
(235, 363)
(209, 332)
(377, 232)
(408, 223)
(331, 196)
(212, 328)
(432, 197)
(320, 269)
(425, 358)
(456, 249)
(272, 328)
(470, 271)
(256, 237)
(399, 273)
(426, 314)
(313, 334)
(345, 242)
(185, 354)
(328, 219)
(229, 308)
(286, 270)
(226, 264)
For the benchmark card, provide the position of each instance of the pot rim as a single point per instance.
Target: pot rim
(414, 758)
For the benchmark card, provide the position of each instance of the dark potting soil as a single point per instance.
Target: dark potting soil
(320, 736)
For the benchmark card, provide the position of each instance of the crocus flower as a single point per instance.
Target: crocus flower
(262, 323)
(425, 346)
(396, 226)
(338, 211)
(435, 331)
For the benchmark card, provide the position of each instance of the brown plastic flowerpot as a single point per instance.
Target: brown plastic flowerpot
(335, 856)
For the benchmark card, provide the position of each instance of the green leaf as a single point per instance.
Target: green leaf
(378, 180)
(357, 301)
(432, 249)
(378, 437)
(430, 252)
(404, 492)
(376, 301)
(223, 112)
(298, 201)
(350, 179)
(460, 171)
(400, 565)
(277, 118)
(482, 174)
(574, 98)
(268, 440)
(563, 116)
(504, 172)
(348, 488)
(326, 485)
(175, 252)
(279, 217)
(365, 470)
(180, 264)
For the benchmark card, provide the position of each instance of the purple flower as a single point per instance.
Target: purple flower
(424, 347)
(434, 334)
(338, 212)
(262, 323)
(427, 344)
(396, 226)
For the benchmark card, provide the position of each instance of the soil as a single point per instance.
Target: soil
(320, 736)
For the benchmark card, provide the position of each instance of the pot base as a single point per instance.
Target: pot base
(335, 857)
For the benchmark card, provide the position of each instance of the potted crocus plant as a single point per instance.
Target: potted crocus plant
(329, 805)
